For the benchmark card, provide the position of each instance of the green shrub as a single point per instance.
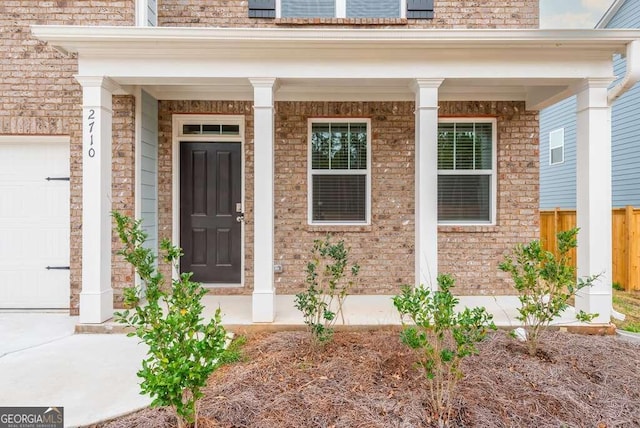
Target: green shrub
(183, 351)
(328, 282)
(442, 338)
(617, 286)
(544, 283)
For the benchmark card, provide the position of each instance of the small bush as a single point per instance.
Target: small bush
(617, 286)
(544, 283)
(442, 338)
(183, 351)
(328, 280)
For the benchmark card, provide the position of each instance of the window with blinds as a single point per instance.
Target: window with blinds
(466, 171)
(339, 171)
(556, 147)
(340, 8)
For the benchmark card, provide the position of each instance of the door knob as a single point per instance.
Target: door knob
(240, 218)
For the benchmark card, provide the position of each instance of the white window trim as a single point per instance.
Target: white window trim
(142, 13)
(177, 122)
(493, 172)
(310, 220)
(559, 131)
(341, 8)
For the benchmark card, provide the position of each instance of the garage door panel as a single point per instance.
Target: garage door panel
(34, 225)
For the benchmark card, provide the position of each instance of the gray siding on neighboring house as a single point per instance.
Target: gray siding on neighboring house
(626, 123)
(149, 170)
(558, 182)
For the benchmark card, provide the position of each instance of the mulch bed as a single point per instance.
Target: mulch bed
(369, 379)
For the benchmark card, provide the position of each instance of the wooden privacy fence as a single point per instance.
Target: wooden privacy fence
(625, 236)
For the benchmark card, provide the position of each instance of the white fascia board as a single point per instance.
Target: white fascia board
(322, 64)
(81, 38)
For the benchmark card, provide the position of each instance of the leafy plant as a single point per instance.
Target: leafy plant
(442, 338)
(545, 283)
(183, 351)
(328, 282)
(617, 286)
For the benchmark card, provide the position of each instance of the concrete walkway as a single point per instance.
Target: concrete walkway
(42, 363)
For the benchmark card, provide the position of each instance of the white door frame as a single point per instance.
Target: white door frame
(178, 120)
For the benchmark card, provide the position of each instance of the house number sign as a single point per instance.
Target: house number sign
(91, 121)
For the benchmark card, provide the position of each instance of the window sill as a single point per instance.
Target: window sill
(467, 228)
(341, 21)
(339, 228)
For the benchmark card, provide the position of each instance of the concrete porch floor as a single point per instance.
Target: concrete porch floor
(366, 310)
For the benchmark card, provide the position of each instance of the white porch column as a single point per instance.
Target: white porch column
(264, 308)
(426, 186)
(594, 196)
(96, 298)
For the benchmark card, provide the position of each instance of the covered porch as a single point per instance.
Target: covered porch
(265, 66)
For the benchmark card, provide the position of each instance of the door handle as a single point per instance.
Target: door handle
(240, 218)
(58, 268)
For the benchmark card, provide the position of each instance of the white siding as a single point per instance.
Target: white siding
(149, 170)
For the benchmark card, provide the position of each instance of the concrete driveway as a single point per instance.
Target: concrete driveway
(42, 363)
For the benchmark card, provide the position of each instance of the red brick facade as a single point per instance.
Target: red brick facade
(40, 96)
(447, 14)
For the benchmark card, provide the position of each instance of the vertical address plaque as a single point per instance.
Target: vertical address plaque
(91, 121)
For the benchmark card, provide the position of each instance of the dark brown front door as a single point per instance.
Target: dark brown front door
(210, 197)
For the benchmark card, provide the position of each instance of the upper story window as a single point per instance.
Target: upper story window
(305, 9)
(147, 13)
(556, 147)
(339, 171)
(467, 179)
(340, 8)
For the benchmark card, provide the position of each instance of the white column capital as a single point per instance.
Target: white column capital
(263, 82)
(264, 89)
(593, 93)
(418, 84)
(594, 82)
(98, 82)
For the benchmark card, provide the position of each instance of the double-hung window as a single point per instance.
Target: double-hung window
(467, 171)
(341, 8)
(556, 147)
(339, 172)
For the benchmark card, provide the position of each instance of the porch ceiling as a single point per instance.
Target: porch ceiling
(537, 66)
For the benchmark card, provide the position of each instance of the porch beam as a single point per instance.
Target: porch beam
(96, 297)
(594, 196)
(263, 305)
(426, 181)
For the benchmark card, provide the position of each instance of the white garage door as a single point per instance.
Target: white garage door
(34, 222)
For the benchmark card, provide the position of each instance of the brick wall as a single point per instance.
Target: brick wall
(38, 94)
(448, 14)
(472, 253)
(385, 249)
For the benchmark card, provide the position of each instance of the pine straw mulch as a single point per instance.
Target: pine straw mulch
(368, 379)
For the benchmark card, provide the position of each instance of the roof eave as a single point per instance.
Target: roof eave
(76, 38)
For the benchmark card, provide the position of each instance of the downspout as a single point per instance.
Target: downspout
(632, 75)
